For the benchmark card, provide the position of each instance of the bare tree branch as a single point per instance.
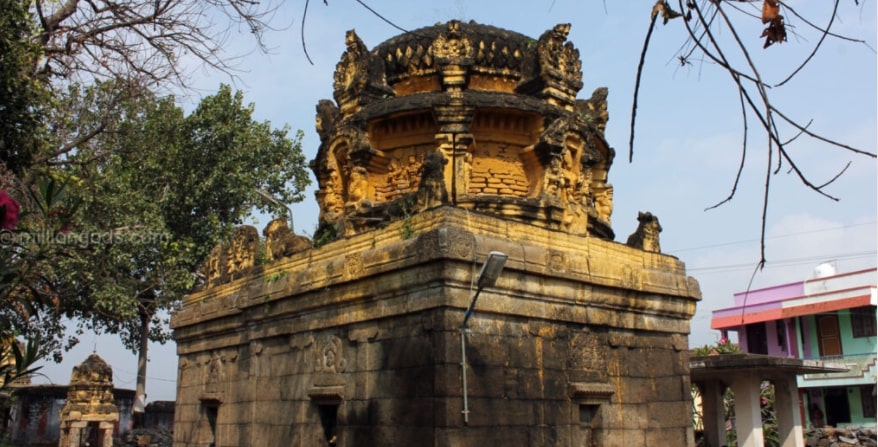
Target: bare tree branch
(147, 39)
(637, 84)
(824, 33)
(743, 154)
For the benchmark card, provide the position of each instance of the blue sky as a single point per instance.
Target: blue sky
(688, 136)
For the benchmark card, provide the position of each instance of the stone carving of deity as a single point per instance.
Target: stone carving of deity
(359, 185)
(604, 203)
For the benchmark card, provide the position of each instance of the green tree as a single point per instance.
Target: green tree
(159, 191)
(22, 97)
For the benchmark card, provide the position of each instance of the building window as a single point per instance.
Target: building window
(868, 400)
(863, 321)
(781, 329)
(757, 341)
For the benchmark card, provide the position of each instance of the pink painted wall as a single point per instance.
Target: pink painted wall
(770, 294)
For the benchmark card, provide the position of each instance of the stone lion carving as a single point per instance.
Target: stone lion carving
(646, 236)
(431, 191)
(280, 241)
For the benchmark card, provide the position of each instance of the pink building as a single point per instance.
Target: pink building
(831, 317)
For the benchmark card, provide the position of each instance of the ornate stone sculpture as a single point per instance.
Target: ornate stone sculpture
(603, 202)
(431, 192)
(359, 77)
(646, 236)
(358, 189)
(557, 76)
(241, 254)
(281, 242)
(216, 267)
(327, 119)
(594, 109)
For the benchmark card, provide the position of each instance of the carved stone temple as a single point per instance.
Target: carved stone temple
(442, 145)
(90, 414)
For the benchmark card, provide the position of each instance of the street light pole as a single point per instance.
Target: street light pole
(487, 277)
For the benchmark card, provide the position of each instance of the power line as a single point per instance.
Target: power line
(783, 262)
(748, 241)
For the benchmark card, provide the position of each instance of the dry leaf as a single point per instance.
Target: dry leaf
(776, 32)
(770, 10)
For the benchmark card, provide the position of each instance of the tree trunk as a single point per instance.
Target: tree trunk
(140, 390)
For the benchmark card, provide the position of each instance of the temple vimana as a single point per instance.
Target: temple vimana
(445, 146)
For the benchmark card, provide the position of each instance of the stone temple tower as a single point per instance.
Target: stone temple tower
(443, 145)
(90, 414)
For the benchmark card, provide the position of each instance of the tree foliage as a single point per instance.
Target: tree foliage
(22, 97)
(164, 190)
(122, 195)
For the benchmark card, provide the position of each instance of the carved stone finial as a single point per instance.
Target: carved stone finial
(452, 46)
(646, 236)
(359, 76)
(557, 74)
(281, 242)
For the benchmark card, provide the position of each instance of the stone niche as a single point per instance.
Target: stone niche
(442, 145)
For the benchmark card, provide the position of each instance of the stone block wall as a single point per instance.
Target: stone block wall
(580, 341)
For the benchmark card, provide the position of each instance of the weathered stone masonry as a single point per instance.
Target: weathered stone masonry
(446, 144)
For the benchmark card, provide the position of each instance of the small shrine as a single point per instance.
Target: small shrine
(90, 414)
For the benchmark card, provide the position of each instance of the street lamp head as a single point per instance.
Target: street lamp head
(491, 269)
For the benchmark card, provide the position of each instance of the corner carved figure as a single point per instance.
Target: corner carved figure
(556, 180)
(553, 139)
(326, 120)
(594, 109)
(241, 255)
(431, 192)
(333, 204)
(557, 71)
(281, 242)
(646, 236)
(216, 267)
(603, 202)
(359, 76)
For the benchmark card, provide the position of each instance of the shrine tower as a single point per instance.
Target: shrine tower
(444, 146)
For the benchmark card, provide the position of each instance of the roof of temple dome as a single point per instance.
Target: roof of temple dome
(92, 370)
(465, 115)
(489, 47)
